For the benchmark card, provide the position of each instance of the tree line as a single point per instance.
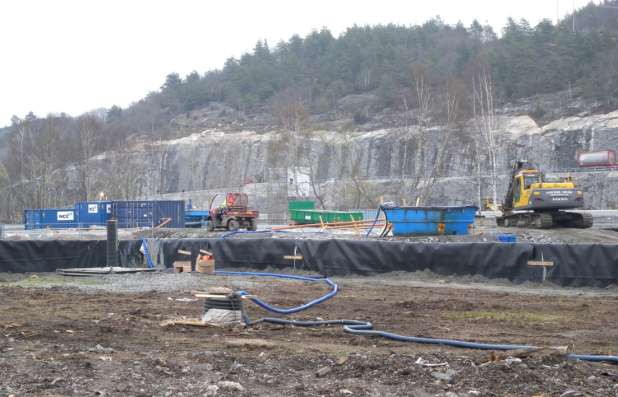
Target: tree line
(525, 61)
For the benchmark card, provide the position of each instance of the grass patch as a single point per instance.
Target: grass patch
(505, 316)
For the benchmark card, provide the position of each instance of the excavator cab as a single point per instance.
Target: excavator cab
(524, 184)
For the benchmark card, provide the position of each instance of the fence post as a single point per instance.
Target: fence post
(112, 243)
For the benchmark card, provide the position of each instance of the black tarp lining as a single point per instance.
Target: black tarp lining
(574, 264)
(49, 255)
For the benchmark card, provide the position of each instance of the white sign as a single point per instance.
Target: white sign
(93, 208)
(553, 193)
(65, 216)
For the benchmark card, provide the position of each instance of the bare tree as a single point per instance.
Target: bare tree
(89, 126)
(485, 122)
(315, 185)
(405, 142)
(22, 132)
(293, 118)
(351, 165)
(424, 172)
(41, 157)
(424, 99)
(453, 104)
(5, 193)
(126, 177)
(163, 151)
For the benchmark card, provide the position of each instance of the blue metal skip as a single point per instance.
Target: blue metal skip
(409, 221)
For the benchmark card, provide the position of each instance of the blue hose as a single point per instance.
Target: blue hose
(291, 310)
(374, 222)
(594, 358)
(365, 328)
(149, 261)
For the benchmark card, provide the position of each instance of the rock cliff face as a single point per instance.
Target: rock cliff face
(356, 169)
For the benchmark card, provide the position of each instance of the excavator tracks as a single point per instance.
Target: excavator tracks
(587, 221)
(546, 220)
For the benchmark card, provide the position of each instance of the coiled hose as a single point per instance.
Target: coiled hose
(291, 310)
(365, 328)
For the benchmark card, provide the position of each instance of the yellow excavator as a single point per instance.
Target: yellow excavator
(534, 201)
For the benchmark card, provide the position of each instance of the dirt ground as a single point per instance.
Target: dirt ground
(69, 337)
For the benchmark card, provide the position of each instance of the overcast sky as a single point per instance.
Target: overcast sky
(77, 55)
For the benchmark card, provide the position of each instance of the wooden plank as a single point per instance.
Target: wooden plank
(541, 263)
(212, 296)
(328, 224)
(214, 290)
(184, 321)
(293, 257)
(165, 222)
(217, 296)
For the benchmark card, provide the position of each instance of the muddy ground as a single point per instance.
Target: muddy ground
(91, 336)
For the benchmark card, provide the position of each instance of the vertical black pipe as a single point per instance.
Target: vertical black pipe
(112, 242)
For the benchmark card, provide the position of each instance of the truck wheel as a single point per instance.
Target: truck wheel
(232, 225)
(210, 226)
(252, 225)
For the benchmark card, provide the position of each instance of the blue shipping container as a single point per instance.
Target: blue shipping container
(149, 213)
(408, 221)
(93, 213)
(50, 218)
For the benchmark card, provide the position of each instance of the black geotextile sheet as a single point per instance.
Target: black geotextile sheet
(49, 255)
(574, 264)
